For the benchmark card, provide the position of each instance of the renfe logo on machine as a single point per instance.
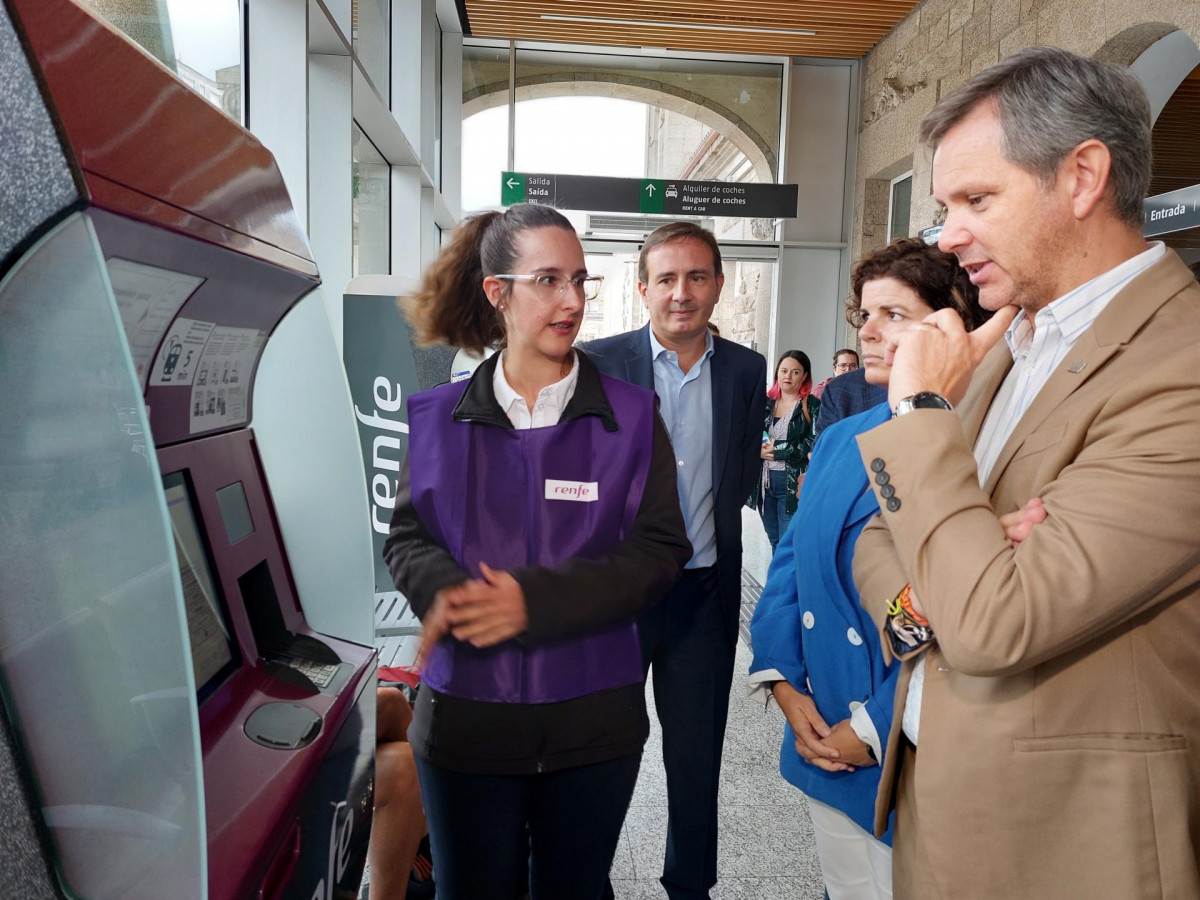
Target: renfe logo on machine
(340, 831)
(580, 491)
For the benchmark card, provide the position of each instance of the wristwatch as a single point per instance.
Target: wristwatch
(923, 400)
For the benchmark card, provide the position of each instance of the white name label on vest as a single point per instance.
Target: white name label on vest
(581, 491)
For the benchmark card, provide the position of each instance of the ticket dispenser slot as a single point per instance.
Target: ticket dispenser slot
(298, 659)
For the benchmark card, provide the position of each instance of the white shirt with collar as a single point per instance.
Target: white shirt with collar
(547, 408)
(1038, 348)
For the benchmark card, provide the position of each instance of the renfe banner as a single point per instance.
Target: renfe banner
(383, 368)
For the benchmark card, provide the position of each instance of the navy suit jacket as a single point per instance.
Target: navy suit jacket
(739, 378)
(846, 396)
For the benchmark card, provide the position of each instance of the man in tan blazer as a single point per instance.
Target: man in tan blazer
(1047, 740)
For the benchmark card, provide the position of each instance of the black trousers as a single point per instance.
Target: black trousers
(689, 650)
(485, 829)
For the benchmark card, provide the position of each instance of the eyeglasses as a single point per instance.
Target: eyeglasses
(550, 284)
(845, 367)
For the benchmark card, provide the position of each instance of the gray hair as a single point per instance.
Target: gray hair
(1048, 102)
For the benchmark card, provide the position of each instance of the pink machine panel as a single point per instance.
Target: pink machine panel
(205, 256)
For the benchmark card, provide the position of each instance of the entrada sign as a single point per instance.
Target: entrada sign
(660, 196)
(1173, 211)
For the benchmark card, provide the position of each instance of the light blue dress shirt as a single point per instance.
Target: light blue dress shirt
(686, 405)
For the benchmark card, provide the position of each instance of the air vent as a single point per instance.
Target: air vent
(613, 224)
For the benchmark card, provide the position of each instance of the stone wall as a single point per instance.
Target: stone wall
(943, 42)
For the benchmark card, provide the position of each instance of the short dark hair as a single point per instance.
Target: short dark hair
(678, 231)
(451, 307)
(1048, 102)
(933, 274)
(843, 352)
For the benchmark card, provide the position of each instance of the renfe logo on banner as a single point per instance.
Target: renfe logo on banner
(377, 352)
(384, 369)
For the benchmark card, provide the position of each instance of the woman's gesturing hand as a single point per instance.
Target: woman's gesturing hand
(436, 625)
(811, 730)
(485, 613)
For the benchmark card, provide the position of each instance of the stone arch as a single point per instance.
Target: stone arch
(1159, 53)
(1124, 48)
(639, 89)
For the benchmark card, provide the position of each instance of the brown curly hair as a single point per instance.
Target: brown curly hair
(933, 274)
(450, 307)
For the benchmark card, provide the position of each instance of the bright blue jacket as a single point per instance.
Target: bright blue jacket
(810, 626)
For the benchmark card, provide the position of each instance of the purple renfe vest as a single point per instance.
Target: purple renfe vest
(487, 494)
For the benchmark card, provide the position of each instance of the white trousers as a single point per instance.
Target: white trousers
(854, 864)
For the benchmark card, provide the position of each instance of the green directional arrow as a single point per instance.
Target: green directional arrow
(512, 188)
(650, 200)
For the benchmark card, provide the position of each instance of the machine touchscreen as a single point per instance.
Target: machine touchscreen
(213, 655)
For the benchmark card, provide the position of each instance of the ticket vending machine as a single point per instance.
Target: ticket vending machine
(171, 726)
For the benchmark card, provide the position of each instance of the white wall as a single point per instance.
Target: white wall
(813, 263)
(305, 88)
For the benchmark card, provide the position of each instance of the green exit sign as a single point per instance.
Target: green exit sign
(512, 188)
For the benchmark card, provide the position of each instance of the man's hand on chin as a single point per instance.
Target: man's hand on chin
(939, 355)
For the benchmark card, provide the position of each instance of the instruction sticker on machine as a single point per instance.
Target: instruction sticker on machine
(179, 355)
(219, 392)
(148, 298)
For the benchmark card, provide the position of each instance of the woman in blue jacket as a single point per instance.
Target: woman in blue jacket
(815, 647)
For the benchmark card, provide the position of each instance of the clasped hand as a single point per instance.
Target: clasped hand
(482, 613)
(836, 749)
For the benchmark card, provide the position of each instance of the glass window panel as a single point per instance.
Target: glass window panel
(198, 40)
(437, 105)
(485, 125)
(901, 207)
(94, 656)
(371, 208)
(372, 39)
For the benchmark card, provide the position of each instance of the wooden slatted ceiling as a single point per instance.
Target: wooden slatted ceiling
(844, 28)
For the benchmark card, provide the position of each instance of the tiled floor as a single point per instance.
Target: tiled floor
(766, 845)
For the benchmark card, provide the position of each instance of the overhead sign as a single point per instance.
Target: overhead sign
(1173, 211)
(659, 196)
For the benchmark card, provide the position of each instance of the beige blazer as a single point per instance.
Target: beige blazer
(1059, 752)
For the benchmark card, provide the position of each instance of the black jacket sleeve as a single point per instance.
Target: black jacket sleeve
(583, 594)
(751, 444)
(420, 566)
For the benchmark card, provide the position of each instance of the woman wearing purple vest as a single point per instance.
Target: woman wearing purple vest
(536, 515)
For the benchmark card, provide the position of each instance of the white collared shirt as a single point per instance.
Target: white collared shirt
(547, 408)
(686, 405)
(1038, 349)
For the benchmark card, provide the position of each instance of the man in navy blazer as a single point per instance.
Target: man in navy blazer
(711, 394)
(845, 396)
